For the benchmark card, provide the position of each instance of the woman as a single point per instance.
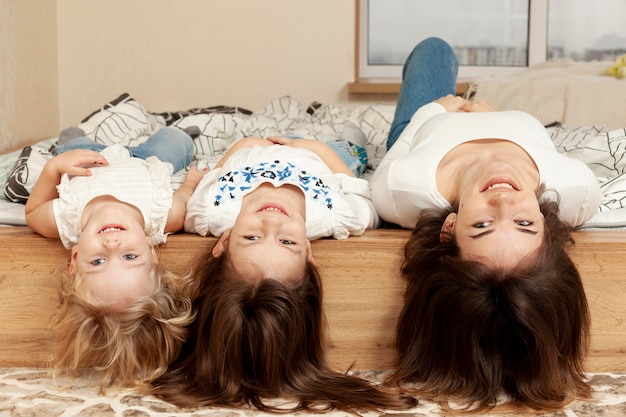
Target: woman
(494, 306)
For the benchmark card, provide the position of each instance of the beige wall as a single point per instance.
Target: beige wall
(29, 104)
(61, 59)
(172, 55)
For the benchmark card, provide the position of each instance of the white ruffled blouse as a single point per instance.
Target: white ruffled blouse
(144, 184)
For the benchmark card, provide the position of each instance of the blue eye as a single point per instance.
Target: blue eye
(97, 261)
(251, 237)
(287, 242)
(130, 256)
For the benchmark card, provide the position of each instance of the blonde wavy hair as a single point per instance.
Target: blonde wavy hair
(127, 347)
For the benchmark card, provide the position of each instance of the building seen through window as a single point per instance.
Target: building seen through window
(491, 33)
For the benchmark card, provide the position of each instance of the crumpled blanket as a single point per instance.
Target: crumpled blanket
(218, 127)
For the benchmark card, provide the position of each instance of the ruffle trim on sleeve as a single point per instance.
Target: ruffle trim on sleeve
(162, 197)
(353, 216)
(67, 211)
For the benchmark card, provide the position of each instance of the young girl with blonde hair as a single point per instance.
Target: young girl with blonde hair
(121, 314)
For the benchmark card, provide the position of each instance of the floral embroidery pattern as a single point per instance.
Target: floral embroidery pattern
(235, 184)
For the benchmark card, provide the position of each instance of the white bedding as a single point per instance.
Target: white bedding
(603, 150)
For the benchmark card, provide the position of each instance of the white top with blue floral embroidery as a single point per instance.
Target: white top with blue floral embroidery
(336, 205)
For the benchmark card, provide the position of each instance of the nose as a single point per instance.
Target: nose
(111, 243)
(503, 198)
(272, 225)
(272, 220)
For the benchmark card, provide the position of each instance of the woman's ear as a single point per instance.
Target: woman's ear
(222, 244)
(447, 230)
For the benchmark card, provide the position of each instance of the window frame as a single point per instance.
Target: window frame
(537, 48)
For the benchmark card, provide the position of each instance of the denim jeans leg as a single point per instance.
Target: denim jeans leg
(78, 143)
(348, 154)
(168, 144)
(429, 73)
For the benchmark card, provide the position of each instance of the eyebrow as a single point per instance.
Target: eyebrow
(520, 229)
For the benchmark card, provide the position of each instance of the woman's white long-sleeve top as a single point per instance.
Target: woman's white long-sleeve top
(405, 180)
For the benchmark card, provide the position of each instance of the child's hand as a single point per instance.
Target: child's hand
(38, 210)
(194, 175)
(281, 140)
(76, 162)
(176, 216)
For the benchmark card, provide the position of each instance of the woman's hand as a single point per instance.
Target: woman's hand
(481, 106)
(454, 103)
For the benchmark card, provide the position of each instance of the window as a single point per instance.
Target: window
(489, 36)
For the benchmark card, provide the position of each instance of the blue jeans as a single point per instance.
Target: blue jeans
(168, 144)
(429, 73)
(354, 156)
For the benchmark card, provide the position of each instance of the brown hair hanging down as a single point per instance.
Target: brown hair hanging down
(257, 340)
(483, 338)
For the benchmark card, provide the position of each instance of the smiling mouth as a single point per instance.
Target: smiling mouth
(273, 208)
(111, 228)
(500, 184)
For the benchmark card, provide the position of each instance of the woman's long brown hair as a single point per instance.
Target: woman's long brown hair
(256, 341)
(480, 337)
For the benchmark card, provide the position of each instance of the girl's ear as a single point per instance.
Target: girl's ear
(72, 266)
(222, 244)
(155, 255)
(309, 253)
(447, 230)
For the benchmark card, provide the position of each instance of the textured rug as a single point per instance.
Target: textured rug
(30, 392)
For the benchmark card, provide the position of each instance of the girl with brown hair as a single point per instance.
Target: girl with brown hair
(258, 335)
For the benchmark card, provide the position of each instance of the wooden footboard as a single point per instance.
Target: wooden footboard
(362, 285)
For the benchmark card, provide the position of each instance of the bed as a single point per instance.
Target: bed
(363, 287)
(124, 120)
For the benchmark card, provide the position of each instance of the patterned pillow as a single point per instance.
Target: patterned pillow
(171, 117)
(123, 120)
(24, 173)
